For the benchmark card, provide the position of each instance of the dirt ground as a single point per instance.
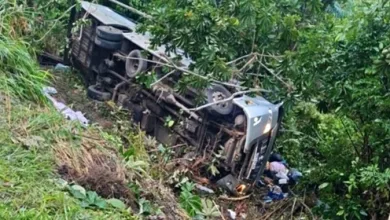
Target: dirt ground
(72, 92)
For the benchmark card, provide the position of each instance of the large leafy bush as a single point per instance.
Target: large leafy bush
(341, 68)
(336, 56)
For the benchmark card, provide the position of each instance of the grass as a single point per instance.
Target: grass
(40, 150)
(19, 73)
(28, 178)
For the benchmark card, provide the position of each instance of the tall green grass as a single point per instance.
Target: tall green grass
(20, 74)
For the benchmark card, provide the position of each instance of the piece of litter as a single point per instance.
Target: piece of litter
(63, 109)
(267, 199)
(277, 167)
(233, 214)
(275, 193)
(282, 181)
(61, 67)
(204, 189)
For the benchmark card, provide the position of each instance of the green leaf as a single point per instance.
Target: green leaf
(84, 204)
(209, 209)
(214, 170)
(323, 185)
(171, 123)
(145, 206)
(61, 183)
(340, 213)
(78, 191)
(161, 148)
(101, 203)
(116, 203)
(91, 196)
(364, 213)
(129, 152)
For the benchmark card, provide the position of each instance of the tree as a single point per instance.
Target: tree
(332, 71)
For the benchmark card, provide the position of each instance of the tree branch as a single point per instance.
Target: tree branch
(235, 199)
(240, 58)
(228, 99)
(140, 13)
(162, 78)
(289, 86)
(350, 138)
(172, 65)
(248, 63)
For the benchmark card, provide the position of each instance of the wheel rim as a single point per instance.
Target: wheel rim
(219, 96)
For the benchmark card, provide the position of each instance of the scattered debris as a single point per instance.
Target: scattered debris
(235, 198)
(204, 189)
(274, 193)
(294, 176)
(236, 215)
(278, 177)
(65, 110)
(153, 190)
(229, 183)
(61, 67)
(233, 214)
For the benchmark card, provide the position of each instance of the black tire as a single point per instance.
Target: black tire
(109, 33)
(218, 92)
(94, 92)
(135, 66)
(106, 44)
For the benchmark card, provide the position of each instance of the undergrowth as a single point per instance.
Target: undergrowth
(19, 72)
(29, 186)
(41, 23)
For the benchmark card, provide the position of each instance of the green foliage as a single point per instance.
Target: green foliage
(338, 130)
(188, 201)
(336, 55)
(19, 73)
(165, 153)
(137, 166)
(179, 177)
(90, 199)
(376, 184)
(146, 79)
(28, 187)
(213, 167)
(116, 203)
(214, 34)
(169, 122)
(147, 208)
(209, 210)
(41, 23)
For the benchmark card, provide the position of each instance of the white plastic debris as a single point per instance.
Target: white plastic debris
(233, 214)
(282, 181)
(61, 67)
(65, 110)
(204, 189)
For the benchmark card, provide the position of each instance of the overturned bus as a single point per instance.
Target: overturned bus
(111, 55)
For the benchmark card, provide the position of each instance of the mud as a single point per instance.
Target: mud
(72, 92)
